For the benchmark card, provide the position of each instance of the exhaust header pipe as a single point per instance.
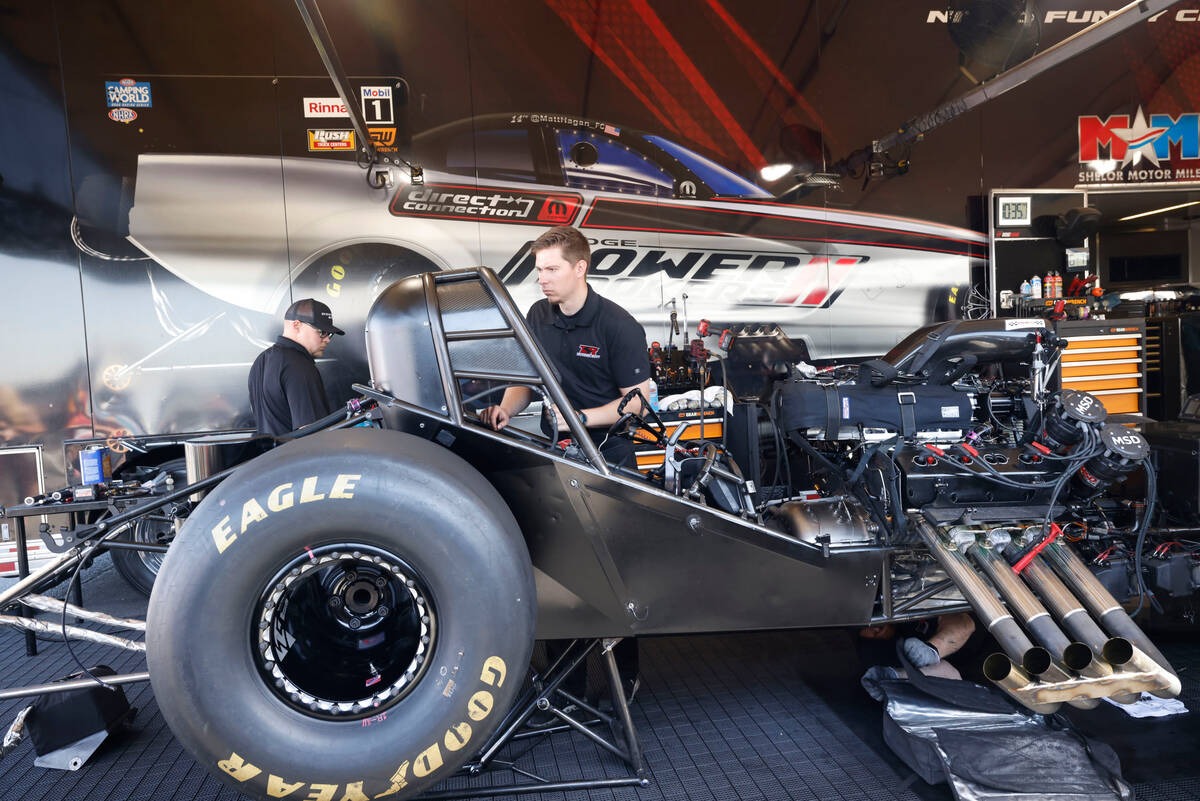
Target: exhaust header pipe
(1043, 676)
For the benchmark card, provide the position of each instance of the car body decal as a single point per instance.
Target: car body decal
(640, 215)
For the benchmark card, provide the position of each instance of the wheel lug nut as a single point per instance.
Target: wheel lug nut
(335, 601)
(382, 611)
(355, 623)
(351, 575)
(380, 582)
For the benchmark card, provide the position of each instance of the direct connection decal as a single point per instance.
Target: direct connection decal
(478, 204)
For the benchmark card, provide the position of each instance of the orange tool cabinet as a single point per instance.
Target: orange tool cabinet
(1108, 359)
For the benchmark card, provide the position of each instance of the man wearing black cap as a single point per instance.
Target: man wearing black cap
(286, 391)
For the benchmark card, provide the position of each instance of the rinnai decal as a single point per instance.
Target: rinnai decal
(1139, 148)
(455, 202)
(125, 115)
(323, 139)
(325, 107)
(127, 93)
(738, 277)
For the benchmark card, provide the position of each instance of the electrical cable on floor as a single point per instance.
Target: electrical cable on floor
(75, 576)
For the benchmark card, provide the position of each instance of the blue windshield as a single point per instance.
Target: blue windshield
(719, 179)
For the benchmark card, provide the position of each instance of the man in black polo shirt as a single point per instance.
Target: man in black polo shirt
(598, 348)
(600, 353)
(286, 391)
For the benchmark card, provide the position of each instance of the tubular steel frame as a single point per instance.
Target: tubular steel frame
(541, 696)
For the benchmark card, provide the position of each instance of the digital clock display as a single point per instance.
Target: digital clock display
(1014, 211)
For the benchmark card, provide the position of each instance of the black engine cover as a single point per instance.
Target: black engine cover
(807, 404)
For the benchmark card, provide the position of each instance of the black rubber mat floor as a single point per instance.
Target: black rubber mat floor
(748, 716)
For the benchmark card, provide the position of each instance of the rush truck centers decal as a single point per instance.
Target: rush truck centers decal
(456, 202)
(323, 139)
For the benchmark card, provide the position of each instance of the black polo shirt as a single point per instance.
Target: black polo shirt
(286, 391)
(597, 350)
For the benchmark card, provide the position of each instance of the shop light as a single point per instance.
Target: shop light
(1158, 211)
(773, 172)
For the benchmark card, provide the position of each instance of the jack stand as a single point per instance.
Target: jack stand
(540, 696)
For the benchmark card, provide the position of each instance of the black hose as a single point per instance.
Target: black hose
(1151, 498)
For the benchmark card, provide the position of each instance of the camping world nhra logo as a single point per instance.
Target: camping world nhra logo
(127, 93)
(1139, 148)
(478, 204)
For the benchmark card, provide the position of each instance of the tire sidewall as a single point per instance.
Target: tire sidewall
(413, 499)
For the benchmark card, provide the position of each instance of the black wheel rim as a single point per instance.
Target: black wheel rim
(344, 631)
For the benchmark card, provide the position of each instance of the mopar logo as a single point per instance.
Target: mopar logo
(558, 210)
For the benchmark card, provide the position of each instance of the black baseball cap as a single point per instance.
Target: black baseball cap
(315, 313)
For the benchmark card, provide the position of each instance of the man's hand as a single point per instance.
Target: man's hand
(495, 416)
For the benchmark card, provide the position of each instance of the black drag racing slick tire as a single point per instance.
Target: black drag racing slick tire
(259, 671)
(139, 568)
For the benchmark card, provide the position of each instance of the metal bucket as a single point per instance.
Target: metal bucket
(209, 454)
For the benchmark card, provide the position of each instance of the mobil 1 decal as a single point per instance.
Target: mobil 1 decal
(377, 105)
(629, 271)
(482, 204)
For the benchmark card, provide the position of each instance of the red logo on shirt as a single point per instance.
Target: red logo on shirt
(589, 352)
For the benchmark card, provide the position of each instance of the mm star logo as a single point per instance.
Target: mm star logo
(1140, 138)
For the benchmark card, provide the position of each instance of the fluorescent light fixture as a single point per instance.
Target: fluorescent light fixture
(1158, 211)
(773, 172)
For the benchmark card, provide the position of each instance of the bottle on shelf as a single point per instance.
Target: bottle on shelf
(1035, 287)
(1026, 289)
